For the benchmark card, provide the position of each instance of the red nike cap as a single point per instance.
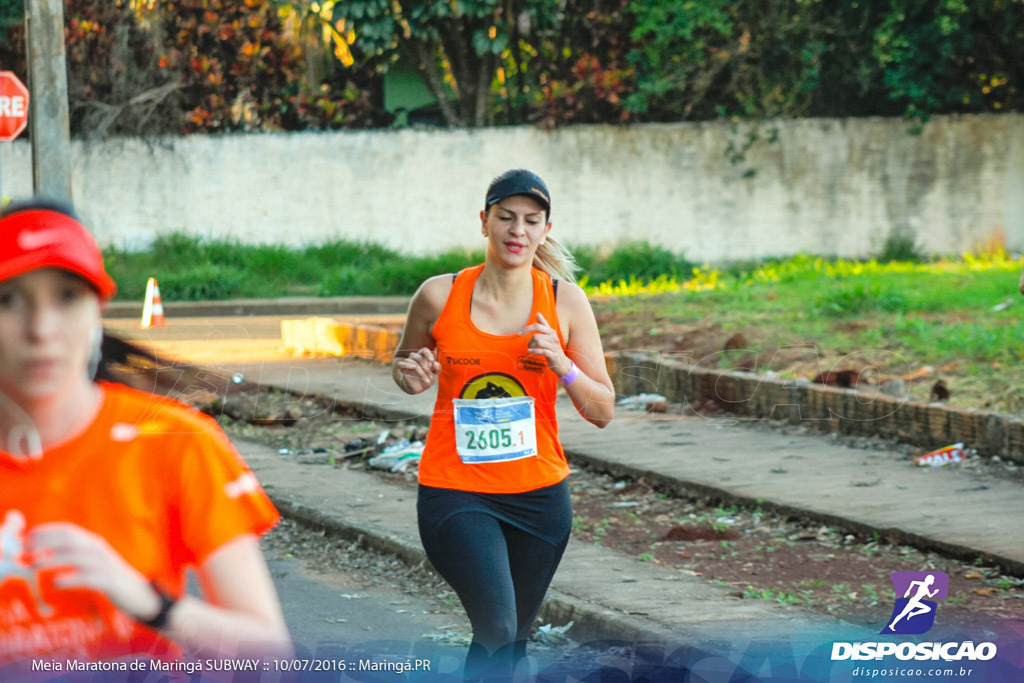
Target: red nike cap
(43, 238)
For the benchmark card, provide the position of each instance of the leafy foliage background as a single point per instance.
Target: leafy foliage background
(152, 67)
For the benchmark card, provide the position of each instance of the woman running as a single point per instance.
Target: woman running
(499, 339)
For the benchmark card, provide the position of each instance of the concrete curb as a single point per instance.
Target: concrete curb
(362, 535)
(319, 335)
(296, 306)
(827, 409)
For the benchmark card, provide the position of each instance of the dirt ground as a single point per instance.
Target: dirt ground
(767, 557)
(762, 556)
(713, 346)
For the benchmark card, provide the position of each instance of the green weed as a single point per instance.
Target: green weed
(781, 597)
(1005, 584)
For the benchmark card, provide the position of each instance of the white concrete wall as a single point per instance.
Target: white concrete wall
(826, 186)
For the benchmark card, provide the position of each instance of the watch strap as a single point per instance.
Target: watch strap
(167, 603)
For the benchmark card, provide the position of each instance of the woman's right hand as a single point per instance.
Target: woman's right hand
(87, 560)
(417, 372)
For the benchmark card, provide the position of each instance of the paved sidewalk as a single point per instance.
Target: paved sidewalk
(948, 508)
(611, 596)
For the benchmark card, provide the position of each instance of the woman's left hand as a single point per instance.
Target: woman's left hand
(84, 559)
(545, 342)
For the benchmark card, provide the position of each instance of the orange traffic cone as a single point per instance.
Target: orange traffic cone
(153, 309)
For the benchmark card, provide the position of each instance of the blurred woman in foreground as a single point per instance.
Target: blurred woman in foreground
(108, 494)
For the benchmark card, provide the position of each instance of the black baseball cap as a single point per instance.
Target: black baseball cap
(518, 181)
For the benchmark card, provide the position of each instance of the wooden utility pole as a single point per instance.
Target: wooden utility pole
(49, 123)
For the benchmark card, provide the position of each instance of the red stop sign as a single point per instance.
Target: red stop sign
(13, 106)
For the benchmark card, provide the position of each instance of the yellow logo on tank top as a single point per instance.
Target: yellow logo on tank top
(492, 385)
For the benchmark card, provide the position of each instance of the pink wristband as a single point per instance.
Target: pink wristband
(570, 377)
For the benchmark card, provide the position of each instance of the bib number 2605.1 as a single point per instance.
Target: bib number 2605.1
(494, 438)
(495, 429)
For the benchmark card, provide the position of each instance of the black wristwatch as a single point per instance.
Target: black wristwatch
(167, 603)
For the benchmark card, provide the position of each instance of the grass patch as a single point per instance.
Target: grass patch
(193, 268)
(199, 269)
(963, 319)
(936, 312)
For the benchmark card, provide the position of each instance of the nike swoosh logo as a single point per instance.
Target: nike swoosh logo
(30, 241)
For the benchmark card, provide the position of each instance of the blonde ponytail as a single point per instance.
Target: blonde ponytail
(556, 260)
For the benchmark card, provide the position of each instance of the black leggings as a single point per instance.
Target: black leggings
(499, 570)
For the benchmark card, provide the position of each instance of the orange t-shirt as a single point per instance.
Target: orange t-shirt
(159, 481)
(478, 365)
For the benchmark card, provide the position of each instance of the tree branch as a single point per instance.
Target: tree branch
(110, 112)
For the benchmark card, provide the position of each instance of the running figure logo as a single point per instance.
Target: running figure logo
(914, 613)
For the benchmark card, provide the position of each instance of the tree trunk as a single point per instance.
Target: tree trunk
(426, 55)
(483, 89)
(517, 105)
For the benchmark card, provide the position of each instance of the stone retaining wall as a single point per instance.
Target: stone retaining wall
(825, 186)
(860, 412)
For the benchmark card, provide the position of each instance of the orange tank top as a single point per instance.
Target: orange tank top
(476, 366)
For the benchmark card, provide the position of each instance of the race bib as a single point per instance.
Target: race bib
(495, 429)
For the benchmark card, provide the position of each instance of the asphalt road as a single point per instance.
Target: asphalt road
(344, 614)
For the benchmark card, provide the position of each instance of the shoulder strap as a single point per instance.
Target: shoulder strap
(554, 287)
